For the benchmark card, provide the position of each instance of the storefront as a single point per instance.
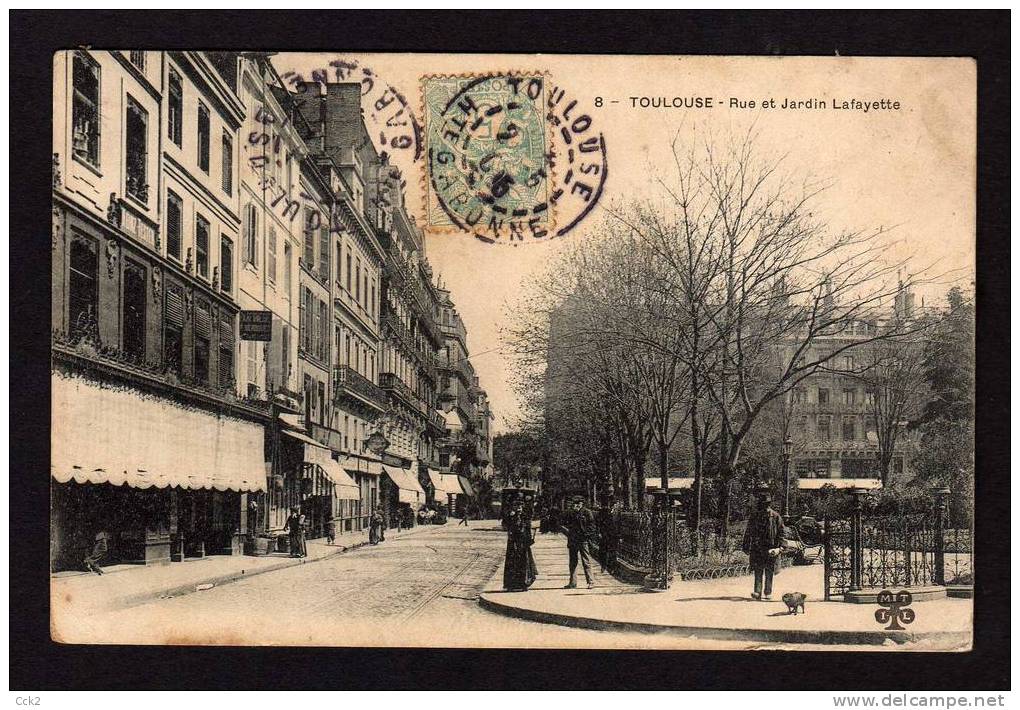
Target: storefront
(313, 481)
(163, 479)
(403, 496)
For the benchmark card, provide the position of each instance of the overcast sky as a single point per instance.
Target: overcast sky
(913, 168)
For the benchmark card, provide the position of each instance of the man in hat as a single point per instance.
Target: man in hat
(763, 541)
(296, 530)
(580, 528)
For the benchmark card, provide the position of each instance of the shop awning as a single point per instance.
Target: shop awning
(451, 483)
(354, 464)
(675, 483)
(346, 488)
(409, 490)
(814, 484)
(437, 483)
(465, 484)
(319, 455)
(116, 436)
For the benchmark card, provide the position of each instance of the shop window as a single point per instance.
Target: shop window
(174, 213)
(226, 264)
(82, 287)
(175, 108)
(227, 164)
(202, 246)
(203, 138)
(173, 330)
(85, 109)
(136, 155)
(134, 311)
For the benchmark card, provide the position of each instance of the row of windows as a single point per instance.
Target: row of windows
(314, 325)
(849, 396)
(83, 315)
(86, 121)
(824, 427)
(251, 248)
(175, 238)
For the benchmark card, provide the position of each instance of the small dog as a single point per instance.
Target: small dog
(793, 601)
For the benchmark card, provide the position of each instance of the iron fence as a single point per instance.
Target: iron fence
(662, 546)
(868, 551)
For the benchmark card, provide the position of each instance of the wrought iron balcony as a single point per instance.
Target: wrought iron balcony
(391, 383)
(349, 381)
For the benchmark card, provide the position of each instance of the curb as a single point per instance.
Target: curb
(222, 580)
(709, 632)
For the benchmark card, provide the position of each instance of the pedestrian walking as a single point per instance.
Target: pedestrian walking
(463, 517)
(295, 526)
(519, 569)
(100, 549)
(330, 531)
(580, 528)
(763, 543)
(375, 526)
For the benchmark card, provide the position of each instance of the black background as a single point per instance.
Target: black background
(36, 663)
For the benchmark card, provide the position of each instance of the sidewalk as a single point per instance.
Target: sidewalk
(123, 586)
(720, 608)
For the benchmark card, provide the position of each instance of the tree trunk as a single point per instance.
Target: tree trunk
(698, 474)
(640, 483)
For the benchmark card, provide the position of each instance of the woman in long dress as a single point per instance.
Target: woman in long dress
(375, 529)
(519, 570)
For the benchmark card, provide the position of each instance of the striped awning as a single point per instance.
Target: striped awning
(814, 484)
(409, 490)
(320, 455)
(122, 437)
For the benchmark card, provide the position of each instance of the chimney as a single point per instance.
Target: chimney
(342, 116)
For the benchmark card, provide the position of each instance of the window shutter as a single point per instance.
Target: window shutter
(173, 225)
(175, 306)
(226, 332)
(203, 324)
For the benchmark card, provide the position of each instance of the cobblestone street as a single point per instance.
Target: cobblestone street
(417, 590)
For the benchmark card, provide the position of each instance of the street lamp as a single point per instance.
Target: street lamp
(787, 450)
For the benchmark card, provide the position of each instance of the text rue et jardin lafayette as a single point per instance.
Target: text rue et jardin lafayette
(787, 103)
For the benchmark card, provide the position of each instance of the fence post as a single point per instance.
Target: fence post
(827, 557)
(857, 541)
(941, 500)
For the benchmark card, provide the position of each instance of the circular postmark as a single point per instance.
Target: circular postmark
(492, 143)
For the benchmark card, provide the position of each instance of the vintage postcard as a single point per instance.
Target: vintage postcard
(526, 351)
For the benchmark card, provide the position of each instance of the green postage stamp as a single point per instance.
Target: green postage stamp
(487, 156)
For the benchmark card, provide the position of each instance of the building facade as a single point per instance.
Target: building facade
(832, 418)
(145, 309)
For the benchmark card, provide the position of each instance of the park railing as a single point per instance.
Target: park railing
(865, 551)
(659, 546)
